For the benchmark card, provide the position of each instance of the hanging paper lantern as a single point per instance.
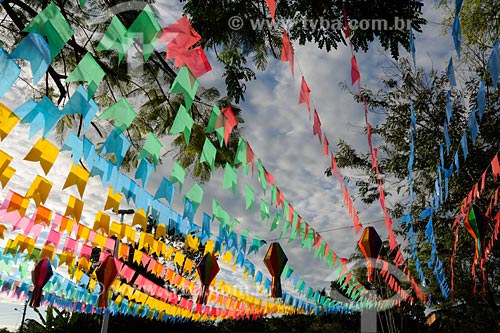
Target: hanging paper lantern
(106, 274)
(477, 225)
(370, 245)
(40, 276)
(275, 261)
(207, 270)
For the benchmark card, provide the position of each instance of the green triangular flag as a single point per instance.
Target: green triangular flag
(234, 224)
(276, 222)
(88, 70)
(286, 225)
(182, 123)
(230, 178)
(121, 113)
(146, 28)
(274, 193)
(219, 213)
(241, 153)
(151, 148)
(249, 197)
(264, 210)
(185, 83)
(295, 232)
(115, 37)
(208, 153)
(195, 194)
(213, 119)
(177, 175)
(261, 175)
(216, 123)
(51, 23)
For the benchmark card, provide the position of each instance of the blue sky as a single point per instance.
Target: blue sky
(280, 133)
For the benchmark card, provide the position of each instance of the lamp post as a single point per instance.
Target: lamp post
(122, 213)
(24, 316)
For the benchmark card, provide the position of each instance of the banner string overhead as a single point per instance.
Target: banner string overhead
(127, 191)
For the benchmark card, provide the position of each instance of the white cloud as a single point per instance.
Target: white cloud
(280, 133)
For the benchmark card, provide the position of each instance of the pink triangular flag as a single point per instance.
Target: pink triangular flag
(354, 70)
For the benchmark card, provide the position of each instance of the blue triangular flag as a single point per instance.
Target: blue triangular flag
(473, 125)
(74, 144)
(463, 142)
(165, 190)
(9, 71)
(457, 35)
(446, 137)
(412, 49)
(35, 49)
(451, 73)
(143, 171)
(494, 64)
(481, 100)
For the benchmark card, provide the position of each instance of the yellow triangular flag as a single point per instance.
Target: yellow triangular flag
(44, 152)
(113, 201)
(140, 218)
(77, 176)
(6, 175)
(102, 222)
(8, 121)
(74, 208)
(39, 190)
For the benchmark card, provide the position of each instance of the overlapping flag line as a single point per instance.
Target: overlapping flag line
(440, 192)
(44, 116)
(287, 55)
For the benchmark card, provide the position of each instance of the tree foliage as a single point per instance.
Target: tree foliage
(320, 22)
(427, 91)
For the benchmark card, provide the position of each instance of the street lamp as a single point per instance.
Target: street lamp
(24, 316)
(122, 213)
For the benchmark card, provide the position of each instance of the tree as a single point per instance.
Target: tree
(427, 93)
(149, 89)
(304, 19)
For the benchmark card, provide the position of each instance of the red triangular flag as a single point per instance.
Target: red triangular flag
(287, 50)
(230, 122)
(304, 95)
(250, 156)
(180, 36)
(347, 31)
(317, 126)
(272, 7)
(354, 70)
(269, 177)
(325, 146)
(495, 168)
(195, 59)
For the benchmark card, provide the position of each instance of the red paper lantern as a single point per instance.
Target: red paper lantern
(40, 276)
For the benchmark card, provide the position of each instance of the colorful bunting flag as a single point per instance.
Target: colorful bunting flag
(36, 50)
(77, 176)
(208, 154)
(182, 124)
(287, 50)
(90, 71)
(44, 152)
(9, 71)
(121, 113)
(51, 23)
